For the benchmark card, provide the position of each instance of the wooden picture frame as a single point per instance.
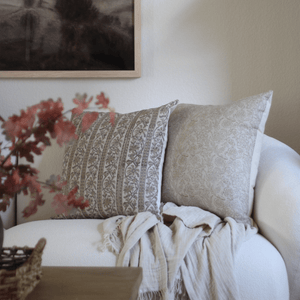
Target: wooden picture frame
(108, 30)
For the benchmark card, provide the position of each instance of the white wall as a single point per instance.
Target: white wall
(198, 51)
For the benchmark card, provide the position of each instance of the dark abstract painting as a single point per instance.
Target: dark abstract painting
(74, 35)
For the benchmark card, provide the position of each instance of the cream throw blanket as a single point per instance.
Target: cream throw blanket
(192, 259)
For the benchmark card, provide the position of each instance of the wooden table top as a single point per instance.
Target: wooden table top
(88, 283)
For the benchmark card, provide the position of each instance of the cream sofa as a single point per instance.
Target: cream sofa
(266, 266)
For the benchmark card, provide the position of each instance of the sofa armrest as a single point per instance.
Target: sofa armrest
(277, 205)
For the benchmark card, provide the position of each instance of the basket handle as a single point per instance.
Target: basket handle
(40, 245)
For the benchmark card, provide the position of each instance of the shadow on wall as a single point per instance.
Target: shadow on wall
(255, 44)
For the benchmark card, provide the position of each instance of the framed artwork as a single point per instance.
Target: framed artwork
(70, 38)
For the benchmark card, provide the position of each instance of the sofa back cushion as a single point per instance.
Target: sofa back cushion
(213, 154)
(118, 168)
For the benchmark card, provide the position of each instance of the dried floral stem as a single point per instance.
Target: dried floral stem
(51, 120)
(8, 156)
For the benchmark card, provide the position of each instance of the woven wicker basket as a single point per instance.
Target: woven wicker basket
(20, 271)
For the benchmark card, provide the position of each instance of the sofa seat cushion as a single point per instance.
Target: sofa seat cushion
(69, 242)
(260, 270)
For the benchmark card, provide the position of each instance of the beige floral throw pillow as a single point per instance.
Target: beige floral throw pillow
(213, 154)
(118, 168)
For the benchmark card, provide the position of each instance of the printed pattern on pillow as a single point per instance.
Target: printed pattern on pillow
(212, 155)
(118, 168)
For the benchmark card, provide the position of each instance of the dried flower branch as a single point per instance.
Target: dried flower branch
(28, 134)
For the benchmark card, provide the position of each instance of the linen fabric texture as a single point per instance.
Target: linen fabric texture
(213, 154)
(118, 167)
(192, 259)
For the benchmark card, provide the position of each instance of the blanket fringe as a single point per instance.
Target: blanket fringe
(151, 296)
(177, 293)
(180, 292)
(112, 241)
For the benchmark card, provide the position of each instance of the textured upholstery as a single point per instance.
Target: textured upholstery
(277, 205)
(260, 270)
